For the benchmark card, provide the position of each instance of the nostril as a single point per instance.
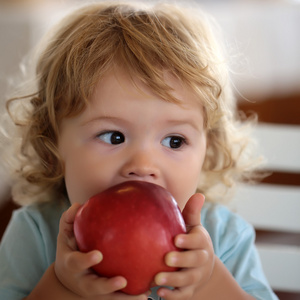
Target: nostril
(141, 173)
(141, 166)
(132, 174)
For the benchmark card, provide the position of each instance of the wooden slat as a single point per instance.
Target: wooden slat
(280, 144)
(287, 295)
(280, 109)
(278, 237)
(282, 178)
(281, 265)
(273, 206)
(270, 207)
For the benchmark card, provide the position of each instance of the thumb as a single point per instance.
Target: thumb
(192, 210)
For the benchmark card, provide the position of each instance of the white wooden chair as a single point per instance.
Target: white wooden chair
(274, 208)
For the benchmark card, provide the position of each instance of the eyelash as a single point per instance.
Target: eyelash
(176, 138)
(119, 138)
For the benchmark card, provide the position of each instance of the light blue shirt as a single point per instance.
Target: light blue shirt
(28, 248)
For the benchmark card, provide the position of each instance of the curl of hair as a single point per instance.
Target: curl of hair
(145, 41)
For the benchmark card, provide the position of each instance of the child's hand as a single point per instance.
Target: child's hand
(72, 267)
(196, 262)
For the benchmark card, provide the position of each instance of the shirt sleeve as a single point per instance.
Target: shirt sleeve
(27, 249)
(233, 240)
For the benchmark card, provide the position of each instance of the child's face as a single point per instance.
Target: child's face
(128, 134)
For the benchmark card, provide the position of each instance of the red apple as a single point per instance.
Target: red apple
(133, 224)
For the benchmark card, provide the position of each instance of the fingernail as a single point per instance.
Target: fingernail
(179, 242)
(160, 279)
(171, 260)
(124, 283)
(97, 257)
(120, 283)
(161, 293)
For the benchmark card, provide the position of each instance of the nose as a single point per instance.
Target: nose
(141, 165)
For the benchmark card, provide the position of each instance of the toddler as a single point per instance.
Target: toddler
(129, 92)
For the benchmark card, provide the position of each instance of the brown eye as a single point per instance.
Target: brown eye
(173, 142)
(112, 137)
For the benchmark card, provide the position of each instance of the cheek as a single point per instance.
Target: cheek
(77, 181)
(87, 174)
(187, 184)
(81, 177)
(188, 188)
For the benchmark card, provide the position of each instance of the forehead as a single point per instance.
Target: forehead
(173, 90)
(116, 96)
(118, 101)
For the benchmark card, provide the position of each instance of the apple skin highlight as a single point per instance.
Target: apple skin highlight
(133, 224)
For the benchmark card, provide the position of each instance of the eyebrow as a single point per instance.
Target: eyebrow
(103, 118)
(198, 126)
(195, 125)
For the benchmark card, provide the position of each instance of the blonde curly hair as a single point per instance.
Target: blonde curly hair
(145, 40)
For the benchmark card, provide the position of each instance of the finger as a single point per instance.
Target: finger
(67, 219)
(192, 210)
(187, 259)
(78, 262)
(123, 296)
(71, 213)
(192, 240)
(196, 238)
(66, 240)
(175, 294)
(95, 285)
(178, 279)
